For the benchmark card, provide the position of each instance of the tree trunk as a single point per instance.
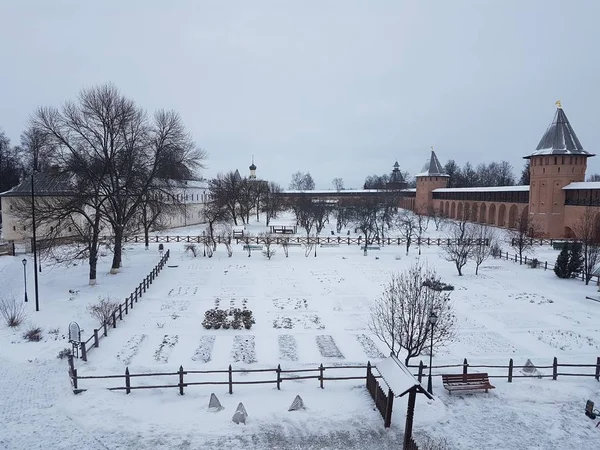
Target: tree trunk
(93, 262)
(459, 268)
(147, 237)
(366, 241)
(476, 269)
(118, 250)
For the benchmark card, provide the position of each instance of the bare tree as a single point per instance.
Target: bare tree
(320, 211)
(107, 141)
(364, 216)
(268, 244)
(521, 236)
(36, 150)
(422, 221)
(400, 316)
(438, 217)
(460, 244)
(302, 182)
(483, 249)
(587, 230)
(338, 184)
(342, 215)
(407, 226)
(224, 232)
(272, 202)
(215, 212)
(226, 191)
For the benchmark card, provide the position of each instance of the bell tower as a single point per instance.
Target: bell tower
(558, 160)
(252, 170)
(432, 177)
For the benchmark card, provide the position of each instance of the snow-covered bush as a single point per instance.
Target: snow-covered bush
(192, 249)
(103, 310)
(231, 318)
(12, 311)
(33, 334)
(437, 285)
(64, 353)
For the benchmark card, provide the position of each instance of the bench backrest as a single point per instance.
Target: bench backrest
(469, 377)
(589, 407)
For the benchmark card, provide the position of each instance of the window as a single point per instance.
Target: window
(559, 170)
(555, 160)
(10, 207)
(70, 229)
(24, 228)
(14, 228)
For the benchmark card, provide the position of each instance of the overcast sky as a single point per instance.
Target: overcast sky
(337, 88)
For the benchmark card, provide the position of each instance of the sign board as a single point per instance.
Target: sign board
(74, 332)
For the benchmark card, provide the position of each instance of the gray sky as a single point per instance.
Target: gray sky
(337, 88)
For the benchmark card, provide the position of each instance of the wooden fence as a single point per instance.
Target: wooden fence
(383, 402)
(123, 309)
(177, 379)
(311, 240)
(508, 371)
(7, 249)
(528, 261)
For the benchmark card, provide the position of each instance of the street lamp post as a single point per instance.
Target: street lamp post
(34, 247)
(25, 277)
(432, 321)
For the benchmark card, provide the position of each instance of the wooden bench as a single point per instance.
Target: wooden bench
(467, 382)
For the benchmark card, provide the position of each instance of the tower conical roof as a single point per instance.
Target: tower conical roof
(432, 167)
(560, 138)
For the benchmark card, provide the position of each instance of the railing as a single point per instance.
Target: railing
(510, 368)
(544, 265)
(280, 375)
(123, 309)
(278, 240)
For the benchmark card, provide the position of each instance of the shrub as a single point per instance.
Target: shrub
(232, 318)
(569, 261)
(103, 310)
(534, 263)
(33, 334)
(12, 311)
(192, 249)
(64, 353)
(429, 443)
(495, 250)
(437, 285)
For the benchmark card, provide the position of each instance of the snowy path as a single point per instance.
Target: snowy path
(29, 411)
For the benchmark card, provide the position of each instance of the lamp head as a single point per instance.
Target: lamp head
(433, 318)
(24, 261)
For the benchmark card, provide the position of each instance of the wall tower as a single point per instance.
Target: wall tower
(558, 160)
(432, 177)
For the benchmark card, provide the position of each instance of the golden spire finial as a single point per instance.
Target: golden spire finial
(558, 104)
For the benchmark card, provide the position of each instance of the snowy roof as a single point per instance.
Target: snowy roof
(398, 378)
(44, 184)
(432, 168)
(334, 191)
(560, 138)
(486, 189)
(583, 185)
(282, 223)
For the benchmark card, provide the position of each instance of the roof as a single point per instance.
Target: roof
(560, 138)
(583, 185)
(335, 192)
(398, 378)
(486, 189)
(43, 184)
(432, 168)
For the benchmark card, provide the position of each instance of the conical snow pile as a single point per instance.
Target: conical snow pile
(214, 405)
(530, 370)
(297, 404)
(240, 414)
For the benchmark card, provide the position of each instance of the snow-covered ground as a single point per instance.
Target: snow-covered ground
(308, 311)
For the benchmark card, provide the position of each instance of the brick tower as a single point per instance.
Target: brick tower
(432, 177)
(558, 160)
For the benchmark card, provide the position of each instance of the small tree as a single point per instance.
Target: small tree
(422, 221)
(103, 310)
(521, 236)
(268, 242)
(364, 216)
(575, 258)
(338, 184)
(399, 317)
(587, 229)
(438, 218)
(569, 261)
(460, 244)
(407, 225)
(12, 311)
(483, 249)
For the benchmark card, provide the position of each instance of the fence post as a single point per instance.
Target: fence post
(598, 368)
(321, 375)
(121, 310)
(546, 265)
(180, 380)
(555, 368)
(510, 370)
(114, 318)
(127, 381)
(230, 380)
(420, 375)
(74, 377)
(388, 409)
(465, 365)
(368, 373)
(83, 351)
(96, 337)
(278, 377)
(105, 330)
(525, 259)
